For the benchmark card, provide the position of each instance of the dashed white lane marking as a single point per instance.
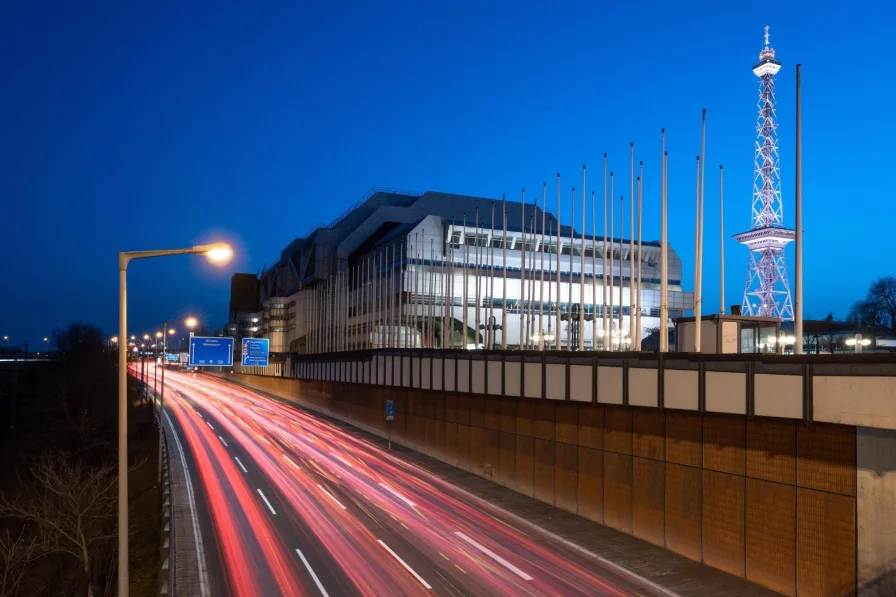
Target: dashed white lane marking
(289, 460)
(223, 442)
(398, 495)
(323, 591)
(237, 458)
(494, 556)
(210, 425)
(406, 567)
(270, 507)
(331, 496)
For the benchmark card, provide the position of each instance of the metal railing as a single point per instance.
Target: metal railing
(166, 536)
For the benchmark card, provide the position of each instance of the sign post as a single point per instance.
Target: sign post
(390, 414)
(211, 352)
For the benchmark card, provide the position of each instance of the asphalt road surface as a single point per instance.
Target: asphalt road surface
(290, 504)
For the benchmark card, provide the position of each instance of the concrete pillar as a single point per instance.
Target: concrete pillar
(876, 505)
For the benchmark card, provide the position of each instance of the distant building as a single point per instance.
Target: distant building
(391, 271)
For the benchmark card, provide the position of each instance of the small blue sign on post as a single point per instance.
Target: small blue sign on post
(390, 410)
(255, 352)
(211, 352)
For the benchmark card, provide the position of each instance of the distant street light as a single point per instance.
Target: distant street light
(858, 343)
(218, 253)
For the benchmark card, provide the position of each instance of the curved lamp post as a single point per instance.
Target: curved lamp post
(219, 253)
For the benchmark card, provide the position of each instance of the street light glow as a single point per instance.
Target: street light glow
(114, 339)
(146, 336)
(219, 253)
(191, 322)
(158, 334)
(171, 331)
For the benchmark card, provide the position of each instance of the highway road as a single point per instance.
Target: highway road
(290, 504)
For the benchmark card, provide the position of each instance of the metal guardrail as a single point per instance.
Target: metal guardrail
(166, 536)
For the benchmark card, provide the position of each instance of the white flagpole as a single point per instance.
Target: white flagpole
(612, 272)
(572, 260)
(621, 247)
(699, 298)
(491, 292)
(697, 262)
(559, 243)
(581, 346)
(631, 250)
(465, 293)
(522, 340)
(603, 307)
(798, 245)
(721, 244)
(593, 274)
(504, 267)
(638, 296)
(550, 280)
(478, 278)
(544, 205)
(664, 253)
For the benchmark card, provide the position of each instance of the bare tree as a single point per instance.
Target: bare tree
(73, 506)
(877, 311)
(15, 555)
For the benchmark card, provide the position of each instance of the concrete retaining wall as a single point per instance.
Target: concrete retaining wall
(770, 499)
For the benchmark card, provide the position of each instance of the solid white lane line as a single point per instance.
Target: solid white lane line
(237, 458)
(494, 556)
(406, 567)
(270, 507)
(289, 460)
(323, 591)
(398, 495)
(210, 425)
(330, 495)
(223, 442)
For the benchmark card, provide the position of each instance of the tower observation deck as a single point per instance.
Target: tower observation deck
(767, 292)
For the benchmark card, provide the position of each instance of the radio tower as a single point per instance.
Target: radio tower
(767, 293)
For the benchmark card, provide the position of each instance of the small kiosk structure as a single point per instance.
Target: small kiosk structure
(732, 334)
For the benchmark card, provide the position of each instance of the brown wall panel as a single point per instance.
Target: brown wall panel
(507, 470)
(463, 409)
(648, 497)
(477, 450)
(618, 429)
(451, 408)
(649, 433)
(492, 412)
(724, 524)
(591, 426)
(463, 446)
(544, 470)
(477, 410)
(491, 453)
(825, 545)
(826, 457)
(435, 432)
(545, 419)
(525, 417)
(724, 443)
(618, 491)
(508, 415)
(771, 449)
(566, 476)
(525, 464)
(770, 535)
(452, 445)
(567, 422)
(684, 438)
(683, 498)
(591, 484)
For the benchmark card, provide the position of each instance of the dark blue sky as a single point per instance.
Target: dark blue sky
(135, 126)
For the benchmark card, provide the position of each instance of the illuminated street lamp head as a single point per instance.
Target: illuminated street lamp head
(133, 337)
(191, 322)
(219, 253)
(171, 331)
(146, 336)
(5, 338)
(46, 339)
(158, 334)
(114, 339)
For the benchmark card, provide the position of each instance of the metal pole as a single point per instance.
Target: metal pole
(664, 254)
(612, 272)
(465, 289)
(572, 244)
(798, 269)
(123, 583)
(721, 244)
(582, 270)
(621, 246)
(476, 316)
(523, 343)
(638, 296)
(544, 205)
(550, 282)
(557, 270)
(504, 267)
(631, 249)
(603, 307)
(697, 313)
(491, 302)
(700, 229)
(593, 274)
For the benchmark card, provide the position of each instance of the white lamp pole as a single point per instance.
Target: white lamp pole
(219, 253)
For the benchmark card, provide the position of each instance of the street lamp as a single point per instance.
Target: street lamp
(858, 343)
(218, 253)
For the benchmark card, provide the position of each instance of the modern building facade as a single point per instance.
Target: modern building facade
(444, 271)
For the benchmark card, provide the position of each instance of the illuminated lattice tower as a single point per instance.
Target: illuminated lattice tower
(767, 293)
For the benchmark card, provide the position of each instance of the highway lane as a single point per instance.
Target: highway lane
(298, 506)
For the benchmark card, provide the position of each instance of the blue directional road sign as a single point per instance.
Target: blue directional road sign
(255, 352)
(173, 357)
(211, 351)
(390, 410)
